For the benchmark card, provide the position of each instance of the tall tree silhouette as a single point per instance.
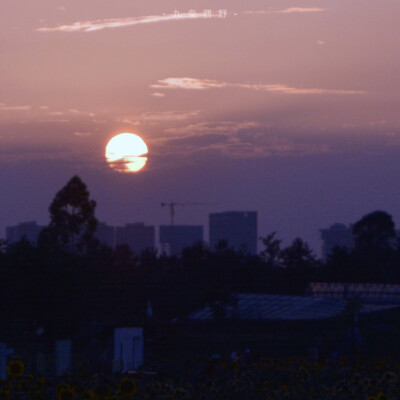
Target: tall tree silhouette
(72, 219)
(272, 251)
(375, 243)
(375, 230)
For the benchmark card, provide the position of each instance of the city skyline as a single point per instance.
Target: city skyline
(285, 107)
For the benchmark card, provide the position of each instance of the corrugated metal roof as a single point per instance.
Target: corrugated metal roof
(277, 307)
(367, 293)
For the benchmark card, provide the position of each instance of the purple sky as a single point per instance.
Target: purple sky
(290, 108)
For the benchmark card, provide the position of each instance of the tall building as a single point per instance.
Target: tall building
(106, 234)
(335, 235)
(174, 238)
(137, 236)
(238, 228)
(30, 230)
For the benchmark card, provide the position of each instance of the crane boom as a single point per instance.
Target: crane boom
(171, 207)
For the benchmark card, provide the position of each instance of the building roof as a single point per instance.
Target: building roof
(366, 293)
(284, 308)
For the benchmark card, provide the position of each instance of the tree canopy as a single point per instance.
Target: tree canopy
(72, 219)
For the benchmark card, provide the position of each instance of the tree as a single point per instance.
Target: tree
(375, 231)
(375, 244)
(72, 220)
(272, 251)
(298, 256)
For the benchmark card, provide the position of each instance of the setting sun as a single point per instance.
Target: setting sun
(126, 152)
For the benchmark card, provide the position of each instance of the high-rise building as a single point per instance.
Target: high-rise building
(137, 236)
(237, 228)
(106, 234)
(174, 238)
(335, 235)
(30, 230)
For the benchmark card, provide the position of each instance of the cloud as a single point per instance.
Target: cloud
(199, 140)
(82, 134)
(245, 139)
(54, 120)
(188, 83)
(204, 84)
(14, 108)
(78, 112)
(158, 94)
(100, 24)
(202, 128)
(159, 116)
(290, 10)
(300, 10)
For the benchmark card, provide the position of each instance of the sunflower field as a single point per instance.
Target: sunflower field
(219, 379)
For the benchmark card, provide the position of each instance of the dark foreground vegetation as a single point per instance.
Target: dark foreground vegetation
(69, 279)
(219, 379)
(74, 287)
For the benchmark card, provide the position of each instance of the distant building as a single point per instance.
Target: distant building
(137, 236)
(106, 234)
(336, 235)
(272, 307)
(238, 228)
(174, 238)
(30, 230)
(366, 293)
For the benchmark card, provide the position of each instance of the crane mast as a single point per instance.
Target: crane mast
(171, 207)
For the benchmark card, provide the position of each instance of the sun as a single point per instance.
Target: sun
(126, 152)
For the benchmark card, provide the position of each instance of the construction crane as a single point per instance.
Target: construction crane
(171, 207)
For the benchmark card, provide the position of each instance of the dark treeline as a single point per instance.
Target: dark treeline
(69, 279)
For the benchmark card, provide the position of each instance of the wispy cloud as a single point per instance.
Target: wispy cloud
(204, 84)
(82, 134)
(159, 116)
(100, 24)
(79, 112)
(242, 139)
(203, 128)
(5, 107)
(300, 10)
(289, 10)
(158, 94)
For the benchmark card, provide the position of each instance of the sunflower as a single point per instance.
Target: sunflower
(4, 394)
(284, 388)
(40, 383)
(266, 385)
(87, 395)
(24, 385)
(103, 391)
(179, 392)
(304, 374)
(36, 396)
(127, 387)
(60, 387)
(5, 385)
(389, 376)
(382, 396)
(65, 392)
(15, 368)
